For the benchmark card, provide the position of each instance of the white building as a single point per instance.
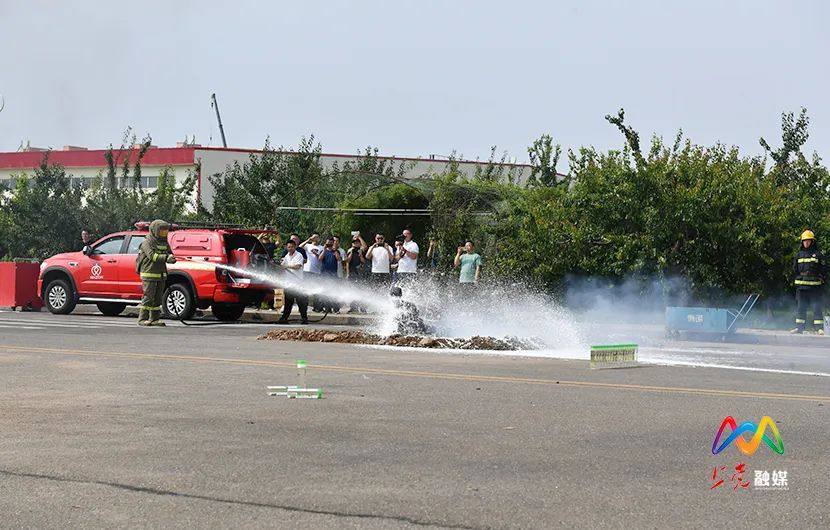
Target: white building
(84, 165)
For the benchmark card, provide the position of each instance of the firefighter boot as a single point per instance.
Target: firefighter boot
(154, 319)
(143, 315)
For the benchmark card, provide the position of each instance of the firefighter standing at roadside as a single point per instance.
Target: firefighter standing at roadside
(810, 273)
(151, 264)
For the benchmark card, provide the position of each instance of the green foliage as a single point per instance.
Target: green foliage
(722, 221)
(117, 199)
(544, 157)
(397, 196)
(257, 192)
(42, 215)
(251, 193)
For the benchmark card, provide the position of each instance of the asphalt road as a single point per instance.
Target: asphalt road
(109, 425)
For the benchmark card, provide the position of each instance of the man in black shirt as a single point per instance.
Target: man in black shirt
(355, 265)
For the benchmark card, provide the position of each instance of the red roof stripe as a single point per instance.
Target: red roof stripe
(174, 156)
(156, 156)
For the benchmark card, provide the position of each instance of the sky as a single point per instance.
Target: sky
(412, 78)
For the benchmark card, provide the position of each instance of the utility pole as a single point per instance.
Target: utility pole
(215, 105)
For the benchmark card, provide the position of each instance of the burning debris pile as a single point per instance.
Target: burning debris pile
(360, 337)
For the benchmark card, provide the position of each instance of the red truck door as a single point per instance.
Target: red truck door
(97, 274)
(129, 279)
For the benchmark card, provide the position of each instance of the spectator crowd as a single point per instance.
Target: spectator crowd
(380, 265)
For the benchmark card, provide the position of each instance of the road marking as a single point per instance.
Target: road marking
(431, 375)
(66, 323)
(7, 326)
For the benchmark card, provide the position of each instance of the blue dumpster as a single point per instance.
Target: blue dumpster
(702, 319)
(707, 319)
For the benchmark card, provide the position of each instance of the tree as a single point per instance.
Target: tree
(43, 214)
(258, 191)
(117, 199)
(544, 157)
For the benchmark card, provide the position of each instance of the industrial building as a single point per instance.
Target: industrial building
(84, 165)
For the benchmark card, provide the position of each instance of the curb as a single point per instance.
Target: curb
(770, 339)
(269, 317)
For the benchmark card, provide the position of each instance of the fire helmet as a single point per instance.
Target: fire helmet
(807, 234)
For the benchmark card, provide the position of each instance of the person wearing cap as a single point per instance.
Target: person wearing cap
(810, 269)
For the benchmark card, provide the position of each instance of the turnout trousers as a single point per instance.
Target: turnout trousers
(806, 299)
(150, 308)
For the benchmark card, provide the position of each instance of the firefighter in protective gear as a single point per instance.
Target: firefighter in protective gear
(810, 269)
(151, 264)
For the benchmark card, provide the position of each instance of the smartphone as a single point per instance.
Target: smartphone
(355, 232)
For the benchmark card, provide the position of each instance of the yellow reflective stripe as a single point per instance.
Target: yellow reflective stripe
(800, 321)
(818, 322)
(808, 282)
(152, 275)
(808, 260)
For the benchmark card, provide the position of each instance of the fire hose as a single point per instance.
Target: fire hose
(214, 265)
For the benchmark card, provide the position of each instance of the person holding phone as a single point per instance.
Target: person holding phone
(313, 265)
(355, 265)
(470, 263)
(381, 256)
(407, 256)
(330, 260)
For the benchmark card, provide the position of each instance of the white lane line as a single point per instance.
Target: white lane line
(129, 323)
(76, 325)
(19, 327)
(62, 320)
(668, 362)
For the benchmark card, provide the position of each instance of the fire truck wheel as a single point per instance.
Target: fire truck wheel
(178, 302)
(60, 298)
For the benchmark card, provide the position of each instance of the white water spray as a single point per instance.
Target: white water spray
(450, 310)
(332, 287)
(503, 311)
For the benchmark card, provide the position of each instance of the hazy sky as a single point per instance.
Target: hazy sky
(411, 78)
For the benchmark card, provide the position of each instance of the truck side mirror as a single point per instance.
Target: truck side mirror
(87, 250)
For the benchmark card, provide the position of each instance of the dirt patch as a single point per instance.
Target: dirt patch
(360, 337)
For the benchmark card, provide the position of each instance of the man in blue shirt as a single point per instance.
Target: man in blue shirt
(330, 263)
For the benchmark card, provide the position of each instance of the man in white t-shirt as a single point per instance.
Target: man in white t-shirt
(314, 265)
(292, 264)
(407, 256)
(314, 251)
(340, 269)
(380, 254)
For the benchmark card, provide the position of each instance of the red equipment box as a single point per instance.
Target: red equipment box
(18, 285)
